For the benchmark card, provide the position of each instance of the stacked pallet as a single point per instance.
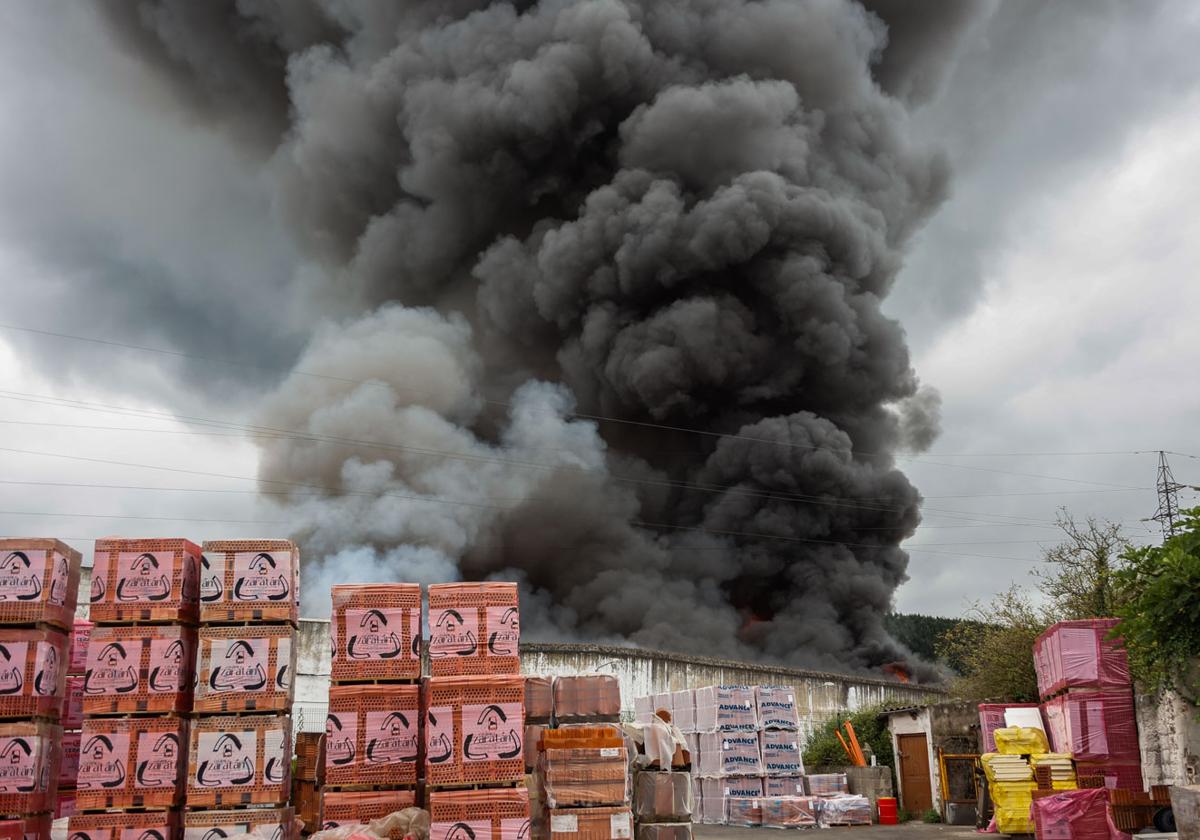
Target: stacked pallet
(1053, 771)
(664, 803)
(728, 756)
(1087, 700)
(39, 582)
(1010, 776)
(239, 771)
(474, 760)
(372, 733)
(783, 765)
(584, 782)
(308, 776)
(72, 718)
(137, 687)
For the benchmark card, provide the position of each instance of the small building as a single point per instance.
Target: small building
(924, 735)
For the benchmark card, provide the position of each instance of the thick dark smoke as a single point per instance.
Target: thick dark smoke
(527, 216)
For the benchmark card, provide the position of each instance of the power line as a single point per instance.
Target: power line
(1168, 498)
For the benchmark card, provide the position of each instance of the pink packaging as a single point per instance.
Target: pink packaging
(250, 580)
(65, 806)
(80, 634)
(1094, 725)
(29, 766)
(73, 708)
(145, 580)
(144, 668)
(1072, 815)
(730, 754)
(783, 786)
(780, 750)
(991, 718)
(69, 768)
(1079, 654)
(32, 672)
(683, 710)
(776, 706)
(726, 708)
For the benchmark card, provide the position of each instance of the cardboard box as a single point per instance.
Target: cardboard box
(145, 580)
(250, 580)
(39, 582)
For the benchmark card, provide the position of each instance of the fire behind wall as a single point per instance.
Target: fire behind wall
(519, 219)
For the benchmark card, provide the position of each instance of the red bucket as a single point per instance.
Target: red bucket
(887, 811)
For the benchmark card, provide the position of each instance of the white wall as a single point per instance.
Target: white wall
(918, 722)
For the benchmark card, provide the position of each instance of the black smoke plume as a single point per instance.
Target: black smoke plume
(524, 217)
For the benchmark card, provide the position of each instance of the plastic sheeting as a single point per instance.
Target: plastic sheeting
(663, 797)
(743, 810)
(827, 784)
(1072, 815)
(730, 754)
(726, 708)
(1021, 740)
(845, 809)
(789, 811)
(1094, 725)
(780, 750)
(683, 710)
(586, 777)
(776, 706)
(1079, 654)
(1012, 801)
(991, 718)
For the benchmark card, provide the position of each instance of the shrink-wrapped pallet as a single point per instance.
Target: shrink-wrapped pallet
(250, 580)
(790, 811)
(585, 776)
(643, 709)
(776, 706)
(664, 831)
(587, 697)
(72, 716)
(1080, 654)
(1122, 775)
(28, 828)
(240, 761)
(39, 582)
(790, 786)
(726, 708)
(539, 699)
(245, 669)
(845, 809)
(1093, 726)
(780, 749)
(743, 810)
(68, 768)
(145, 580)
(30, 754)
(269, 823)
(474, 730)
(533, 739)
(81, 632)
(33, 672)
(683, 710)
(730, 754)
(663, 797)
(692, 742)
(351, 807)
(65, 806)
(1072, 815)
(991, 718)
(139, 669)
(591, 824)
(371, 735)
(135, 762)
(153, 824)
(826, 784)
(375, 632)
(474, 629)
(710, 797)
(1020, 740)
(500, 814)
(1011, 801)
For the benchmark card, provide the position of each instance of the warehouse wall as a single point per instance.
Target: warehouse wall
(640, 672)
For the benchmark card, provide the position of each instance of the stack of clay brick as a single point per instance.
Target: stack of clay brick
(583, 783)
(308, 777)
(372, 733)
(137, 688)
(39, 580)
(239, 773)
(72, 717)
(474, 760)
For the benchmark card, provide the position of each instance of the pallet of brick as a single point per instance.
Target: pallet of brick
(790, 811)
(726, 708)
(341, 808)
(776, 707)
(376, 632)
(146, 824)
(30, 754)
(664, 831)
(474, 730)
(145, 580)
(663, 797)
(845, 809)
(730, 754)
(32, 672)
(371, 735)
(1080, 654)
(310, 757)
(539, 700)
(1093, 725)
(209, 825)
(245, 669)
(239, 760)
(132, 762)
(1112, 775)
(780, 751)
(588, 697)
(498, 814)
(710, 797)
(39, 582)
(743, 810)
(579, 777)
(306, 801)
(64, 805)
(615, 823)
(683, 710)
(249, 581)
(139, 668)
(72, 716)
(474, 629)
(81, 632)
(68, 770)
(28, 828)
(533, 744)
(778, 786)
(826, 784)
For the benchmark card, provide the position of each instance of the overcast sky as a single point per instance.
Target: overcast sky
(1051, 300)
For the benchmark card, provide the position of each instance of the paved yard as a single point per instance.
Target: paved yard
(908, 831)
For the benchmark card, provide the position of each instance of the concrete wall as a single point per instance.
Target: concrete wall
(952, 728)
(1169, 738)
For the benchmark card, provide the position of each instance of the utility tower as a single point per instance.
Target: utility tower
(1168, 497)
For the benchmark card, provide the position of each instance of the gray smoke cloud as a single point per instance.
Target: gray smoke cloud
(523, 218)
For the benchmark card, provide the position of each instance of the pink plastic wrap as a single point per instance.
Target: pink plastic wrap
(1094, 725)
(72, 717)
(780, 750)
(783, 786)
(726, 708)
(1072, 815)
(776, 707)
(80, 634)
(68, 770)
(1124, 775)
(991, 718)
(683, 710)
(730, 754)
(1078, 654)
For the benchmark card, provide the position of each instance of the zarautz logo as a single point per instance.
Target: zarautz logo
(210, 588)
(98, 588)
(145, 582)
(339, 744)
(226, 764)
(374, 639)
(46, 680)
(451, 636)
(161, 767)
(241, 670)
(12, 673)
(262, 582)
(151, 834)
(99, 763)
(58, 583)
(111, 672)
(166, 677)
(502, 641)
(498, 740)
(16, 766)
(438, 748)
(18, 582)
(394, 740)
(460, 831)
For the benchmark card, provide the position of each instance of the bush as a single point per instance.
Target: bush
(823, 748)
(932, 816)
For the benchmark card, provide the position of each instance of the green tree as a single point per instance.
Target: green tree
(996, 650)
(1160, 609)
(823, 748)
(1081, 581)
